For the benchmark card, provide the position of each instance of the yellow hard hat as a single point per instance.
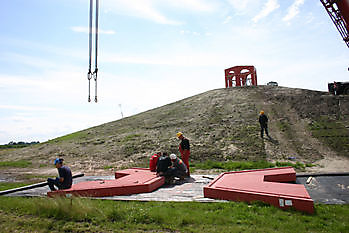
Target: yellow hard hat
(261, 112)
(179, 134)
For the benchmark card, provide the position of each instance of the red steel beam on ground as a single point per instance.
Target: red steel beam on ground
(128, 181)
(262, 185)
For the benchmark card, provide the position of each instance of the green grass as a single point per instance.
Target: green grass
(233, 165)
(17, 164)
(86, 215)
(107, 167)
(11, 185)
(68, 137)
(332, 133)
(130, 137)
(296, 165)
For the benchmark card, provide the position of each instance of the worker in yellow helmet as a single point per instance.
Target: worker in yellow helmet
(263, 121)
(184, 149)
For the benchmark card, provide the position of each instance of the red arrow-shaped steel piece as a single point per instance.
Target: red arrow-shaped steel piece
(266, 185)
(128, 181)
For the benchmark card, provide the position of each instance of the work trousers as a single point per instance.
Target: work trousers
(264, 128)
(185, 158)
(175, 172)
(55, 182)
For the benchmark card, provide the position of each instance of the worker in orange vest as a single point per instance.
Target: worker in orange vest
(153, 161)
(184, 149)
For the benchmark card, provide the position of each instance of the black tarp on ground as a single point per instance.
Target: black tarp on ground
(327, 189)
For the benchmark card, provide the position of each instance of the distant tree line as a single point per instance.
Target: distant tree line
(18, 144)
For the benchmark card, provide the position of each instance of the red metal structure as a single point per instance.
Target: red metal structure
(240, 76)
(262, 185)
(338, 10)
(128, 181)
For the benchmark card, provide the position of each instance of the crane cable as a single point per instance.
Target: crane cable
(93, 74)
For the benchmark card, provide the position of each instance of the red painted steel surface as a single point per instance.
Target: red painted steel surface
(262, 185)
(343, 6)
(240, 76)
(338, 10)
(129, 181)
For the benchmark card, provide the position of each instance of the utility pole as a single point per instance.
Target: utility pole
(122, 115)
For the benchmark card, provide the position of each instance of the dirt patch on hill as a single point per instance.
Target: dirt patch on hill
(290, 126)
(222, 125)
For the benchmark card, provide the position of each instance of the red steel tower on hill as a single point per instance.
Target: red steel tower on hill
(240, 76)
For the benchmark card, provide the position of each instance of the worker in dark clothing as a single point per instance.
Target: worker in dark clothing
(178, 169)
(163, 164)
(184, 149)
(153, 161)
(65, 179)
(263, 121)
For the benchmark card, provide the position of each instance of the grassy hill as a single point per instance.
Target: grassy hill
(222, 125)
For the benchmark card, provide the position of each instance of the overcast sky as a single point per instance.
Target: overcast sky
(151, 53)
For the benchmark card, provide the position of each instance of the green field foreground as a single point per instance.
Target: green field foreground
(21, 214)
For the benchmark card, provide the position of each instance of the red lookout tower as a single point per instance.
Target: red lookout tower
(240, 76)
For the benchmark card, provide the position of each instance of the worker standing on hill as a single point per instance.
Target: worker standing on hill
(65, 179)
(184, 149)
(153, 161)
(263, 121)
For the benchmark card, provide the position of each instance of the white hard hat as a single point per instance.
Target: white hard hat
(173, 156)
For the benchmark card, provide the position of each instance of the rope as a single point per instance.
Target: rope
(96, 51)
(90, 36)
(93, 74)
(89, 87)
(89, 73)
(95, 78)
(96, 41)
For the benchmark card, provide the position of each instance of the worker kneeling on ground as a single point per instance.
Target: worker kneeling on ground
(178, 169)
(153, 161)
(163, 164)
(65, 179)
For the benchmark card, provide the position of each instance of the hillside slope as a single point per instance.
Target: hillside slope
(222, 124)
